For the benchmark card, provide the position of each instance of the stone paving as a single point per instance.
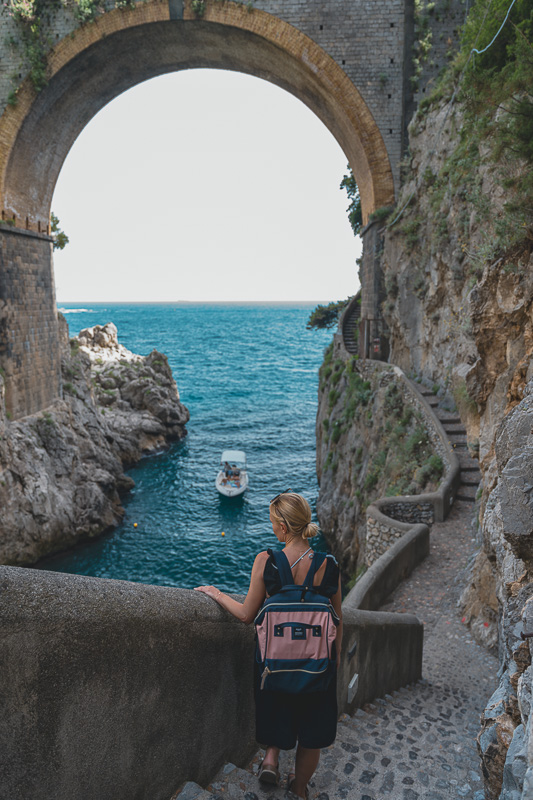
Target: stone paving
(419, 743)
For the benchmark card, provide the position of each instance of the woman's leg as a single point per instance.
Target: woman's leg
(304, 768)
(271, 756)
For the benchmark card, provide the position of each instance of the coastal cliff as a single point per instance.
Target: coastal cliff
(371, 442)
(456, 265)
(62, 470)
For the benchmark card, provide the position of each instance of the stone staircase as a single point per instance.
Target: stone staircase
(415, 744)
(419, 742)
(350, 326)
(456, 432)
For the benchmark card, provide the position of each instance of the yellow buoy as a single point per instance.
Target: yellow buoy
(134, 524)
(222, 534)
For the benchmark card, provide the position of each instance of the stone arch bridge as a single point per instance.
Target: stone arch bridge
(349, 61)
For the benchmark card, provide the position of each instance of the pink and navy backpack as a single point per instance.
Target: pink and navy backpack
(296, 629)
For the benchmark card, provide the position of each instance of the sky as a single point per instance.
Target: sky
(204, 185)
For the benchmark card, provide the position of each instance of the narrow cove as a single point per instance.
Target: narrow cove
(248, 374)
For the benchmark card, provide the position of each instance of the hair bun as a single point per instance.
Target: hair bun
(310, 530)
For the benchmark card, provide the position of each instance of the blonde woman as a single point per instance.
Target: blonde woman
(286, 720)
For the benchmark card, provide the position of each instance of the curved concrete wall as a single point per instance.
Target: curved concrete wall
(114, 690)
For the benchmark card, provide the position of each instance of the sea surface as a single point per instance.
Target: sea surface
(248, 375)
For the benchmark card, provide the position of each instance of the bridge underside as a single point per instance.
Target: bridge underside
(90, 68)
(90, 76)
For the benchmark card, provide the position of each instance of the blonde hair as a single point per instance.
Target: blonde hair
(294, 512)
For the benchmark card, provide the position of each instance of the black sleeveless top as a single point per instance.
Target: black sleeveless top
(328, 586)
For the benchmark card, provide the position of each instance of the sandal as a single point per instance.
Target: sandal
(268, 773)
(292, 795)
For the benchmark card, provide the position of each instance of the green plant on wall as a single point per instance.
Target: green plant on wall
(60, 237)
(355, 214)
(198, 6)
(423, 36)
(495, 90)
(33, 41)
(326, 316)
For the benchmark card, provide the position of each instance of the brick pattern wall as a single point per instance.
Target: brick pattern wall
(369, 40)
(29, 344)
(365, 37)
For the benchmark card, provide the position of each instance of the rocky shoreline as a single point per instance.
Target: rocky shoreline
(62, 470)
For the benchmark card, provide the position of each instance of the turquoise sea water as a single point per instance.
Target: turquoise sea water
(249, 375)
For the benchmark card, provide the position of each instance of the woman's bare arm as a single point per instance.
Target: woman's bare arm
(246, 611)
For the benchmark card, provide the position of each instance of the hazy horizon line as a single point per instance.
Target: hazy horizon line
(190, 302)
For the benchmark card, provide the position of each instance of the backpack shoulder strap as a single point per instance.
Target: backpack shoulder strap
(284, 569)
(316, 563)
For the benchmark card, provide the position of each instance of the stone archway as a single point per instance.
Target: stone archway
(124, 47)
(87, 69)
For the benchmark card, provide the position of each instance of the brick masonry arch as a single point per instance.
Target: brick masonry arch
(123, 47)
(349, 61)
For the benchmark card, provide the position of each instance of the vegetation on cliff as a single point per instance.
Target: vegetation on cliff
(370, 443)
(326, 316)
(458, 272)
(491, 82)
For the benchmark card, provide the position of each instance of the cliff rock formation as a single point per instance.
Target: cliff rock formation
(457, 270)
(506, 738)
(62, 470)
(370, 443)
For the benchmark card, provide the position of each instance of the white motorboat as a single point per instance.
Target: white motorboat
(232, 478)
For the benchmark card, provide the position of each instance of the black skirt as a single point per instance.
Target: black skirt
(282, 720)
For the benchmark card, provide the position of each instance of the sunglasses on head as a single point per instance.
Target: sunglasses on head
(279, 495)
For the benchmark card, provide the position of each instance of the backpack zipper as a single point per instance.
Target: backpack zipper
(298, 605)
(267, 672)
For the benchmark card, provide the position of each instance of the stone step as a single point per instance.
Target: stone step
(192, 791)
(453, 428)
(413, 743)
(447, 419)
(470, 479)
(466, 462)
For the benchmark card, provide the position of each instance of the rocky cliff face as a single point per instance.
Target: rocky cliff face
(459, 303)
(62, 470)
(460, 310)
(458, 286)
(506, 738)
(370, 443)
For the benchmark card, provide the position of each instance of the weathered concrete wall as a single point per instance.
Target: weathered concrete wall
(29, 339)
(387, 654)
(391, 568)
(113, 690)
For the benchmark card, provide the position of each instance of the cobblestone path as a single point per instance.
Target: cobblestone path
(419, 743)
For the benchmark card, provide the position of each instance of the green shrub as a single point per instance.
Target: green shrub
(337, 432)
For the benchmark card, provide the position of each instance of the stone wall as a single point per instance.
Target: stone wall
(383, 515)
(350, 439)
(29, 344)
(382, 533)
(368, 39)
(118, 690)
